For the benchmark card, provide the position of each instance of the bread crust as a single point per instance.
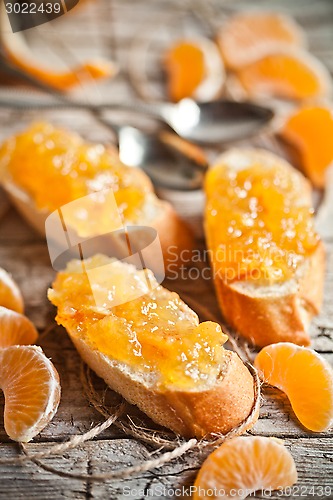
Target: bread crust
(272, 318)
(197, 413)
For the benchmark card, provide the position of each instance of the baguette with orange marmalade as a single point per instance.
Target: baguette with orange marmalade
(148, 345)
(268, 262)
(48, 167)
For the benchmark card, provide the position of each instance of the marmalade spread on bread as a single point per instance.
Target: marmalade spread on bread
(259, 220)
(154, 333)
(55, 166)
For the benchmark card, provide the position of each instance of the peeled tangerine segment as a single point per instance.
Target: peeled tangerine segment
(290, 74)
(194, 69)
(31, 387)
(10, 295)
(305, 377)
(310, 131)
(244, 465)
(18, 53)
(15, 329)
(246, 35)
(64, 80)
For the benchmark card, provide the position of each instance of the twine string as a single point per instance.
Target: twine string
(119, 416)
(74, 442)
(148, 436)
(180, 447)
(121, 473)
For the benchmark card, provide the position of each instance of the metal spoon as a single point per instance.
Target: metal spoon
(170, 162)
(174, 163)
(209, 123)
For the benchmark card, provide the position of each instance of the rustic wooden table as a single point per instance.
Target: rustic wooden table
(25, 255)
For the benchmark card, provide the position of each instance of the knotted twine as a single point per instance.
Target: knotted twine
(175, 445)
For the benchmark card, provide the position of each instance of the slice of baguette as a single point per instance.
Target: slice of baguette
(174, 234)
(278, 312)
(214, 404)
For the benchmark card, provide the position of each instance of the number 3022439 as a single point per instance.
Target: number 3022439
(33, 8)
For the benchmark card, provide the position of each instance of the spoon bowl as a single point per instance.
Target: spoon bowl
(216, 122)
(165, 161)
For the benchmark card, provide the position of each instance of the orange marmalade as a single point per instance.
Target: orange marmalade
(259, 219)
(56, 166)
(155, 333)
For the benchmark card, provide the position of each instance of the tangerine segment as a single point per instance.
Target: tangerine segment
(31, 387)
(185, 65)
(10, 295)
(44, 155)
(194, 69)
(287, 74)
(310, 131)
(243, 465)
(248, 35)
(305, 377)
(15, 329)
(18, 53)
(150, 327)
(258, 217)
(64, 80)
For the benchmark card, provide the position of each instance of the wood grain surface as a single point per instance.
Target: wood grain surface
(25, 255)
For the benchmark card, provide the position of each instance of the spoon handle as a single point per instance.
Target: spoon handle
(157, 110)
(59, 101)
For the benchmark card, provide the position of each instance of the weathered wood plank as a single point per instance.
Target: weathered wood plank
(313, 457)
(29, 482)
(24, 254)
(305, 452)
(74, 414)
